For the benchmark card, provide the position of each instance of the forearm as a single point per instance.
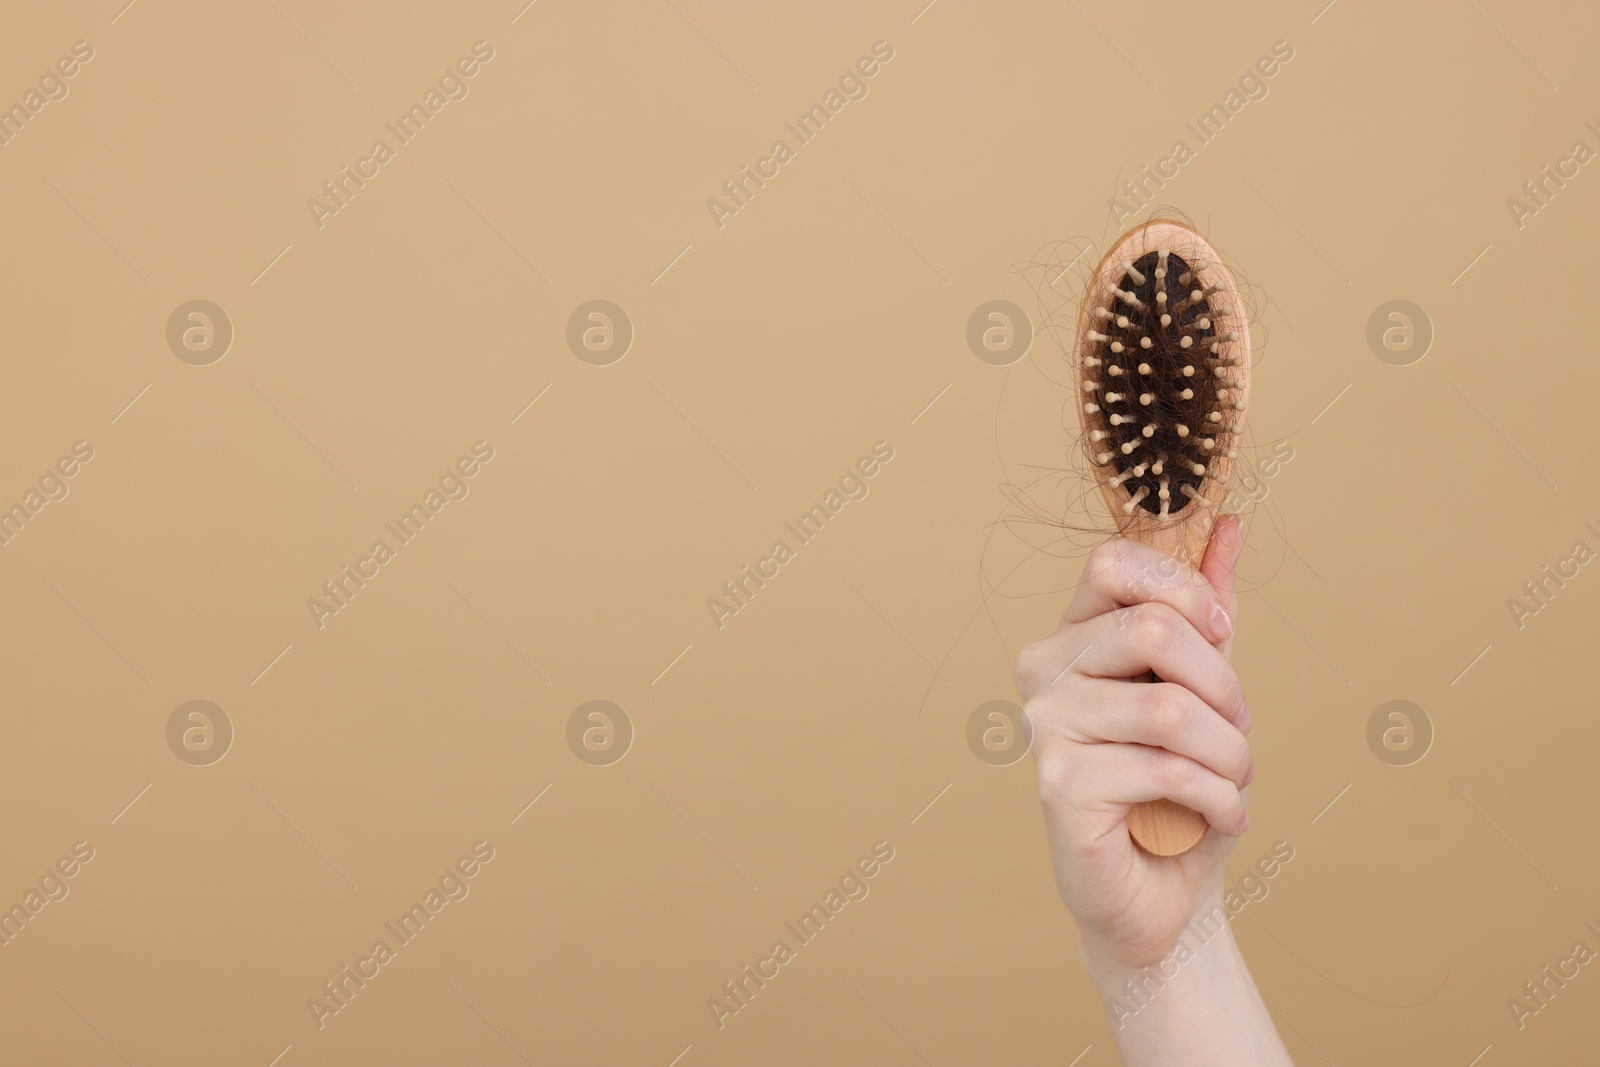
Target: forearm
(1196, 1008)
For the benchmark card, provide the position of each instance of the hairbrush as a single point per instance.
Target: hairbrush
(1164, 359)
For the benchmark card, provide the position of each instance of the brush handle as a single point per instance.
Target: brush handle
(1165, 827)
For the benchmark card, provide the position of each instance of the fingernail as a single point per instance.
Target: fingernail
(1221, 625)
(1244, 823)
(1249, 775)
(1238, 538)
(1245, 720)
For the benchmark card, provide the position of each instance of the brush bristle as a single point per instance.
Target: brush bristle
(1161, 359)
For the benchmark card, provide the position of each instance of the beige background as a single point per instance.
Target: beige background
(827, 715)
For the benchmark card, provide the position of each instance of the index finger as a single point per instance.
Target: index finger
(1121, 573)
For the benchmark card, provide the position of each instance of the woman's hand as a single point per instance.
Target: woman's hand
(1105, 739)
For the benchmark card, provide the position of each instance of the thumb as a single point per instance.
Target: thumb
(1218, 567)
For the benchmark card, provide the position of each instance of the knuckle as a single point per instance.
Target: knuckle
(1055, 774)
(1167, 710)
(1115, 569)
(1030, 666)
(1036, 716)
(1156, 629)
(1106, 557)
(1176, 774)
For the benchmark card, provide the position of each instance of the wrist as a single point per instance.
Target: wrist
(1196, 1006)
(1200, 940)
(1203, 960)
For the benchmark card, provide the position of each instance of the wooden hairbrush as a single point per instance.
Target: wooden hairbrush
(1164, 359)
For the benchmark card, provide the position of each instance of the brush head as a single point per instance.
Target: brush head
(1164, 375)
